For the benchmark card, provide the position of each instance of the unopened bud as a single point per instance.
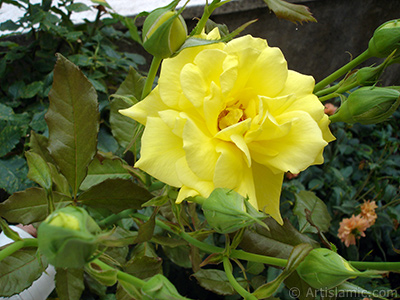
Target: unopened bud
(368, 105)
(325, 269)
(386, 39)
(227, 211)
(164, 32)
(67, 238)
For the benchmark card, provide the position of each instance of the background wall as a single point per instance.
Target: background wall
(343, 30)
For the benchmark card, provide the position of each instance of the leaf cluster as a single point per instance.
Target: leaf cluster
(27, 57)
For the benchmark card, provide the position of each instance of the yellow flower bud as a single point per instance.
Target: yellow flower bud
(65, 221)
(164, 32)
(325, 269)
(386, 39)
(68, 237)
(368, 105)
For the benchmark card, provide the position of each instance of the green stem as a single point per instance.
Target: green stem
(116, 217)
(155, 63)
(14, 247)
(238, 288)
(239, 254)
(208, 10)
(328, 90)
(342, 71)
(137, 282)
(373, 265)
(327, 97)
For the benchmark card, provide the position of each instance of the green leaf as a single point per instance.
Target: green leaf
(289, 11)
(14, 174)
(279, 241)
(77, 7)
(143, 266)
(30, 206)
(69, 283)
(119, 237)
(6, 112)
(306, 200)
(73, 121)
(115, 195)
(104, 168)
(39, 171)
(32, 89)
(124, 129)
(38, 144)
(10, 135)
(11, 234)
(60, 182)
(19, 270)
(146, 230)
(216, 281)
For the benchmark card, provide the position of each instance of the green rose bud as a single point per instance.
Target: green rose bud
(386, 39)
(368, 105)
(164, 32)
(325, 269)
(226, 211)
(67, 238)
(160, 288)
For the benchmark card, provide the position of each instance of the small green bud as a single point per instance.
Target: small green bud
(227, 211)
(67, 238)
(164, 32)
(159, 287)
(368, 105)
(386, 39)
(325, 269)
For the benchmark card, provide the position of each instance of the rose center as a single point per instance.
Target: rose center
(230, 116)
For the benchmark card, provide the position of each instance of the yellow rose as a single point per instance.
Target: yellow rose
(232, 116)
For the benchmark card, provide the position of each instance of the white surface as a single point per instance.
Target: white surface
(122, 7)
(42, 287)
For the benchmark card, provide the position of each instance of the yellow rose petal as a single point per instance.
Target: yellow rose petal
(160, 150)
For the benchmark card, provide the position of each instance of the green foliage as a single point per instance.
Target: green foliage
(27, 59)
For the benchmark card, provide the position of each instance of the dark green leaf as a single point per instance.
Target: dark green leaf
(127, 291)
(77, 7)
(9, 25)
(69, 283)
(119, 237)
(10, 135)
(298, 288)
(30, 206)
(32, 89)
(60, 182)
(144, 266)
(11, 234)
(101, 2)
(319, 213)
(19, 270)
(115, 195)
(216, 281)
(106, 168)
(146, 229)
(73, 121)
(278, 241)
(14, 174)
